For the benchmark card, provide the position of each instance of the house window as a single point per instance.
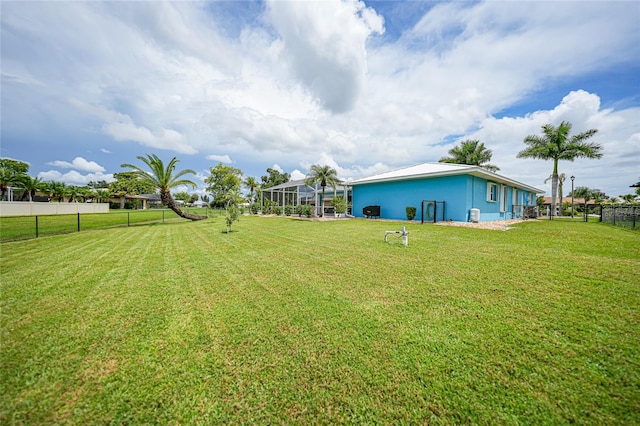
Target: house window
(504, 198)
(492, 192)
(515, 196)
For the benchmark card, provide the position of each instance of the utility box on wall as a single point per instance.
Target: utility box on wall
(474, 215)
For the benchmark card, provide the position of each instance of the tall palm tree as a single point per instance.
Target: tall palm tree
(252, 184)
(471, 152)
(163, 178)
(561, 178)
(555, 144)
(325, 175)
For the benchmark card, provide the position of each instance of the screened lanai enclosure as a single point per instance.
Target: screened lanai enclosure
(295, 193)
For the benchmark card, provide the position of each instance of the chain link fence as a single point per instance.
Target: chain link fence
(626, 216)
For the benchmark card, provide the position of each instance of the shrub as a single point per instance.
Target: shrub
(255, 208)
(411, 213)
(339, 204)
(308, 210)
(277, 210)
(299, 209)
(288, 209)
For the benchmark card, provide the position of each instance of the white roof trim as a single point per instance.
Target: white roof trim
(431, 170)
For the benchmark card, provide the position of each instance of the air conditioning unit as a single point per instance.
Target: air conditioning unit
(474, 215)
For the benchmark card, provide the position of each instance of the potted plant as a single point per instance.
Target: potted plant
(339, 205)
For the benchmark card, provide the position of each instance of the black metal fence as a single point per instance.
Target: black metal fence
(14, 228)
(626, 216)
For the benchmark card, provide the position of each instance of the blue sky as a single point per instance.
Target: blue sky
(362, 86)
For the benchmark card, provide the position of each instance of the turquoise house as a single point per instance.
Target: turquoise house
(443, 191)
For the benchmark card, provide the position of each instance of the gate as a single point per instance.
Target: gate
(432, 211)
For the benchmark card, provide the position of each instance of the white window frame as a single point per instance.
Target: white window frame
(515, 196)
(491, 193)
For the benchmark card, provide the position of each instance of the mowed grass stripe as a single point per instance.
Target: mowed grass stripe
(294, 321)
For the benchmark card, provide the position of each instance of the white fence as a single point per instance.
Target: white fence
(25, 208)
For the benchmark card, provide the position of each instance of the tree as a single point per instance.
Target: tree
(325, 175)
(586, 193)
(222, 180)
(56, 190)
(8, 177)
(102, 195)
(16, 166)
(72, 193)
(131, 183)
(31, 186)
(231, 200)
(561, 178)
(163, 178)
(182, 196)
(628, 198)
(555, 144)
(252, 185)
(274, 178)
(470, 152)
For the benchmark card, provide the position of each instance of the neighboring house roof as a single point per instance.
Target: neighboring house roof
(431, 170)
(151, 197)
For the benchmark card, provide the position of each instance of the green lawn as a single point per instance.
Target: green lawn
(289, 321)
(24, 227)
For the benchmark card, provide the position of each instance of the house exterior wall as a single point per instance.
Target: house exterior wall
(395, 196)
(460, 194)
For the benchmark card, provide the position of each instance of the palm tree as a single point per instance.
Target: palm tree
(561, 178)
(73, 193)
(163, 178)
(102, 195)
(323, 175)
(555, 144)
(471, 152)
(56, 190)
(31, 186)
(252, 184)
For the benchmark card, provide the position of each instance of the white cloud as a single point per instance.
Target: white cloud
(171, 76)
(106, 151)
(618, 133)
(220, 158)
(79, 163)
(297, 175)
(74, 178)
(161, 138)
(325, 44)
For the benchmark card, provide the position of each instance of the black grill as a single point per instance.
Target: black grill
(371, 211)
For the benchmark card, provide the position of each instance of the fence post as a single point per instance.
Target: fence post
(36, 226)
(78, 222)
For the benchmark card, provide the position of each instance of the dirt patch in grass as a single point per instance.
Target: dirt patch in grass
(496, 225)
